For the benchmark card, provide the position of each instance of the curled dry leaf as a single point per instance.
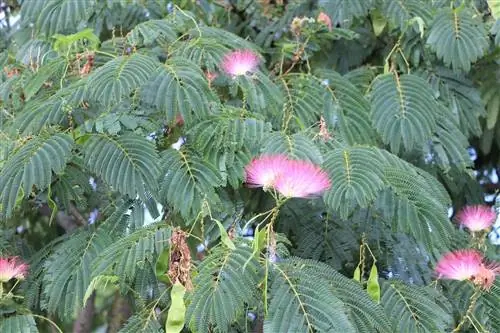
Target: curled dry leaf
(179, 265)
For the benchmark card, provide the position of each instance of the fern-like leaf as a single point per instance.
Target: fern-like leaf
(68, 272)
(449, 145)
(129, 163)
(119, 77)
(362, 310)
(18, 324)
(227, 139)
(402, 11)
(72, 184)
(343, 11)
(415, 309)
(32, 165)
(348, 110)
(303, 99)
(458, 38)
(35, 53)
(301, 301)
(226, 281)
(296, 146)
(417, 203)
(228, 131)
(404, 110)
(461, 96)
(208, 45)
(260, 93)
(356, 181)
(179, 87)
(127, 255)
(141, 323)
(149, 32)
(57, 16)
(36, 116)
(187, 181)
(48, 70)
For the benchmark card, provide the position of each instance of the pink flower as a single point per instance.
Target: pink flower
(476, 218)
(291, 178)
(325, 19)
(12, 267)
(467, 265)
(240, 62)
(301, 179)
(263, 171)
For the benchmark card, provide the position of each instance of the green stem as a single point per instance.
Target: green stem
(50, 321)
(472, 305)
(271, 244)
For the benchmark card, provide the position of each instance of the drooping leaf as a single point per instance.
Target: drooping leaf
(141, 322)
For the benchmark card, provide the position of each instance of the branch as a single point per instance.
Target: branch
(83, 324)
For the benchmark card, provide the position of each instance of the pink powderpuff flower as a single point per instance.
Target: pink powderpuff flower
(12, 267)
(469, 265)
(291, 178)
(240, 62)
(263, 171)
(325, 19)
(301, 179)
(476, 218)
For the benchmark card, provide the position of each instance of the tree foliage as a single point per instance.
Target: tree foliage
(123, 147)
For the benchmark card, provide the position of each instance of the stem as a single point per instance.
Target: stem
(120, 312)
(473, 301)
(11, 289)
(271, 245)
(50, 321)
(105, 53)
(84, 321)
